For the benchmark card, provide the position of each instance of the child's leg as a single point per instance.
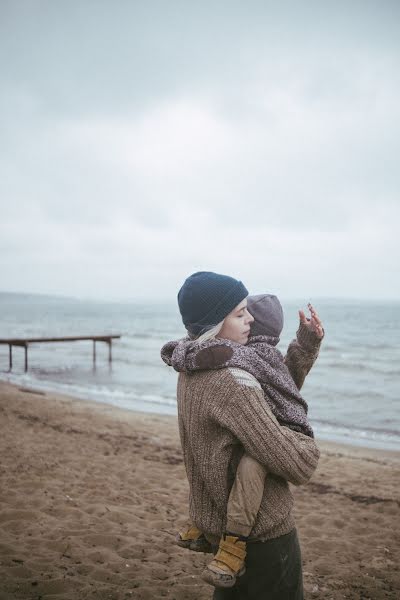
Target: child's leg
(245, 497)
(243, 505)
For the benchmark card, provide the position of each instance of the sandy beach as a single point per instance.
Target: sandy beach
(91, 497)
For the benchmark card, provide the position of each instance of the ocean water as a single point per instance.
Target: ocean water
(353, 391)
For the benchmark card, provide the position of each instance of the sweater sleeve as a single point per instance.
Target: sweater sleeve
(302, 354)
(286, 453)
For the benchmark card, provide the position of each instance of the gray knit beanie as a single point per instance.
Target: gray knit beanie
(268, 315)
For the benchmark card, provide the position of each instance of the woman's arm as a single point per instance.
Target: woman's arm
(289, 454)
(303, 351)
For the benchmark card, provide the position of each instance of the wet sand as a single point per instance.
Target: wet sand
(91, 497)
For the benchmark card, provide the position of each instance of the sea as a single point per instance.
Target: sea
(353, 390)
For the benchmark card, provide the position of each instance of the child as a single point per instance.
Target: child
(280, 380)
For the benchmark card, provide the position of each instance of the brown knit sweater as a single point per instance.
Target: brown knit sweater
(222, 414)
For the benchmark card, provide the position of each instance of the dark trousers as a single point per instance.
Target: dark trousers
(273, 572)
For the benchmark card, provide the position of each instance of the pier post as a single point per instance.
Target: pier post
(94, 353)
(10, 356)
(109, 352)
(26, 357)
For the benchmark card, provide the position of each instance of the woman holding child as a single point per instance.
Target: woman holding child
(244, 433)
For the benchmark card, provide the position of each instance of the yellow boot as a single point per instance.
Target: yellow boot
(194, 539)
(227, 564)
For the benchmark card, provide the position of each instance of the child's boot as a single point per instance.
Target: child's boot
(193, 539)
(227, 564)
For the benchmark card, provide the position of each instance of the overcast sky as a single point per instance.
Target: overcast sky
(142, 141)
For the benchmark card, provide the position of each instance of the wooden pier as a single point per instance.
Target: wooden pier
(25, 343)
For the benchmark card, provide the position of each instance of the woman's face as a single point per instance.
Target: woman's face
(236, 325)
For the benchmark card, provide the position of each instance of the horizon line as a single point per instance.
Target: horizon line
(171, 300)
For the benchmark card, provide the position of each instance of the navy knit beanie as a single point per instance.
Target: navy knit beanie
(206, 298)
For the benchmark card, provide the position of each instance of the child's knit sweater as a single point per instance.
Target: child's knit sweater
(259, 357)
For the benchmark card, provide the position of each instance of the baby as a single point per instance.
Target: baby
(280, 379)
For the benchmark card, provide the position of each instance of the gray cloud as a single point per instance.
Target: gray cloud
(143, 141)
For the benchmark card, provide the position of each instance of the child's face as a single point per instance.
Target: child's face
(236, 325)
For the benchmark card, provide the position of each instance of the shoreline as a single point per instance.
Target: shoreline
(333, 446)
(92, 495)
(165, 410)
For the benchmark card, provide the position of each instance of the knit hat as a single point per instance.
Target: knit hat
(268, 315)
(206, 298)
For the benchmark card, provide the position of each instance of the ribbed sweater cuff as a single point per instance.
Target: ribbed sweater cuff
(286, 526)
(308, 339)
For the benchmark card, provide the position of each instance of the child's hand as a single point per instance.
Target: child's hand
(314, 323)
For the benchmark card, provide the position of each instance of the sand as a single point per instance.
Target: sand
(91, 497)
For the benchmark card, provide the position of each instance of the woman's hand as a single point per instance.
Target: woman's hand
(313, 323)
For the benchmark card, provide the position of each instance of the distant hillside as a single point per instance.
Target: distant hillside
(23, 298)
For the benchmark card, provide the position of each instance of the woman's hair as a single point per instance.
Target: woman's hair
(210, 334)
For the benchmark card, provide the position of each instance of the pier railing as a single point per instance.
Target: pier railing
(25, 343)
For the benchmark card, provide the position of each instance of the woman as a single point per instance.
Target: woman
(223, 414)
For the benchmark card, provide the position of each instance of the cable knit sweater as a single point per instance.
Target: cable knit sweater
(223, 413)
